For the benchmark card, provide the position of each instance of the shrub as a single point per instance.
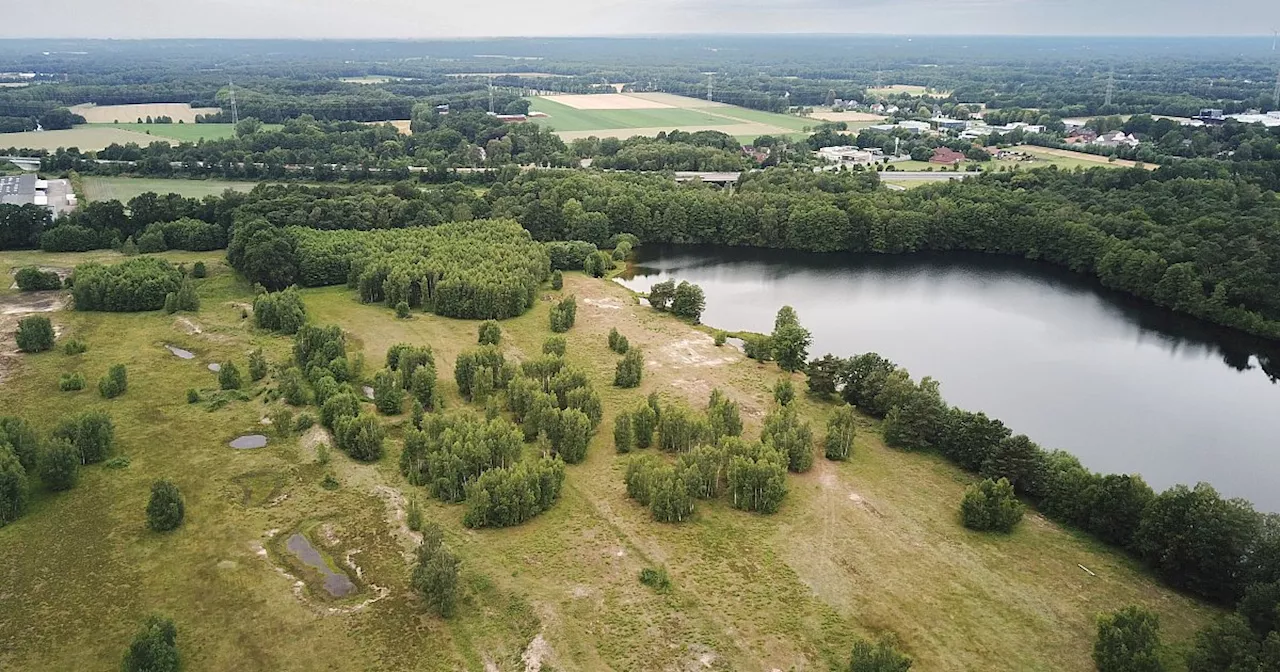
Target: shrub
(557, 280)
(71, 382)
(292, 387)
(723, 417)
(74, 347)
(990, 506)
(413, 515)
(719, 337)
(280, 311)
(879, 657)
(656, 579)
(154, 648)
(840, 432)
(132, 285)
(281, 420)
(758, 347)
(329, 482)
(1128, 641)
(563, 314)
(554, 345)
(511, 495)
(435, 575)
(229, 376)
(617, 342)
(622, 250)
(623, 437)
(630, 369)
(257, 365)
(784, 431)
(32, 279)
(598, 264)
(117, 462)
(304, 422)
(388, 397)
(185, 299)
(115, 383)
(688, 302)
(193, 395)
(165, 509)
(35, 334)
(402, 310)
(91, 432)
(198, 270)
(784, 392)
(59, 464)
(360, 437)
(490, 333)
(646, 421)
(13, 486)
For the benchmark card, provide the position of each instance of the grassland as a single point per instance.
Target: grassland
(125, 188)
(686, 114)
(862, 547)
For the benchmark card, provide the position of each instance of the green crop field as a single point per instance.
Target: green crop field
(858, 548)
(687, 114)
(179, 132)
(124, 188)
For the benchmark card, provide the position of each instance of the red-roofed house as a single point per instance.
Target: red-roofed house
(946, 156)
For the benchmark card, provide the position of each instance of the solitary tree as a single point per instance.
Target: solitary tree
(165, 510)
(154, 648)
(115, 382)
(1128, 641)
(229, 376)
(688, 302)
(790, 341)
(990, 506)
(840, 431)
(435, 576)
(35, 334)
(257, 365)
(624, 438)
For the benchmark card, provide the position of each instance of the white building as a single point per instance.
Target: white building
(1115, 139)
(848, 156)
(1270, 119)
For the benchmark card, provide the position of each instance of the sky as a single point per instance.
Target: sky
(492, 18)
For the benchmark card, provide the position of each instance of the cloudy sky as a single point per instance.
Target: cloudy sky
(482, 18)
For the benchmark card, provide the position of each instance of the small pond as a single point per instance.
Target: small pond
(215, 367)
(336, 583)
(184, 354)
(249, 441)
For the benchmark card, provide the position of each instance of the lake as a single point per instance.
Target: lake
(1126, 386)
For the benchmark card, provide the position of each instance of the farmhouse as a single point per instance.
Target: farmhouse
(946, 156)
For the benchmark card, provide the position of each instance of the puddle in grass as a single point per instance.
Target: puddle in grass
(368, 392)
(249, 441)
(215, 367)
(184, 354)
(337, 584)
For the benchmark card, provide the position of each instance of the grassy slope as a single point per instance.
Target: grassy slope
(179, 132)
(565, 118)
(858, 548)
(125, 188)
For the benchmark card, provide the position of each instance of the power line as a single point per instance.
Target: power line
(235, 112)
(1111, 88)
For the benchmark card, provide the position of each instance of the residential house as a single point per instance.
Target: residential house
(946, 156)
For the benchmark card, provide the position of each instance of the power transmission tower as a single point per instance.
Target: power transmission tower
(490, 95)
(235, 112)
(711, 83)
(1275, 97)
(1111, 88)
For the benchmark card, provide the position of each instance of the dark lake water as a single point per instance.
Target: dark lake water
(1125, 386)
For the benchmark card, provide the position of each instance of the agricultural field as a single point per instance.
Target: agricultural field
(852, 552)
(904, 88)
(854, 119)
(124, 188)
(90, 137)
(185, 132)
(109, 114)
(623, 115)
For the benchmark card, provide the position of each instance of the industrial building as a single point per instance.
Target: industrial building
(29, 189)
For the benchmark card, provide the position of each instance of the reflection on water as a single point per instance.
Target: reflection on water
(1126, 386)
(336, 583)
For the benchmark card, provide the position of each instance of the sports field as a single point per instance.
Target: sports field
(124, 188)
(623, 115)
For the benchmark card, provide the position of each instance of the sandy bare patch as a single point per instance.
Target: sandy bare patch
(126, 114)
(699, 350)
(535, 653)
(313, 438)
(187, 326)
(606, 303)
(846, 116)
(609, 101)
(1082, 156)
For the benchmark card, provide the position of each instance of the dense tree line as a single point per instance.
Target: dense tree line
(1192, 537)
(451, 451)
(508, 496)
(132, 285)
(21, 225)
(476, 270)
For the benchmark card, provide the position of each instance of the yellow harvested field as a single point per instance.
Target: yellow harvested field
(736, 130)
(905, 88)
(1080, 156)
(84, 137)
(846, 116)
(402, 125)
(610, 101)
(106, 114)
